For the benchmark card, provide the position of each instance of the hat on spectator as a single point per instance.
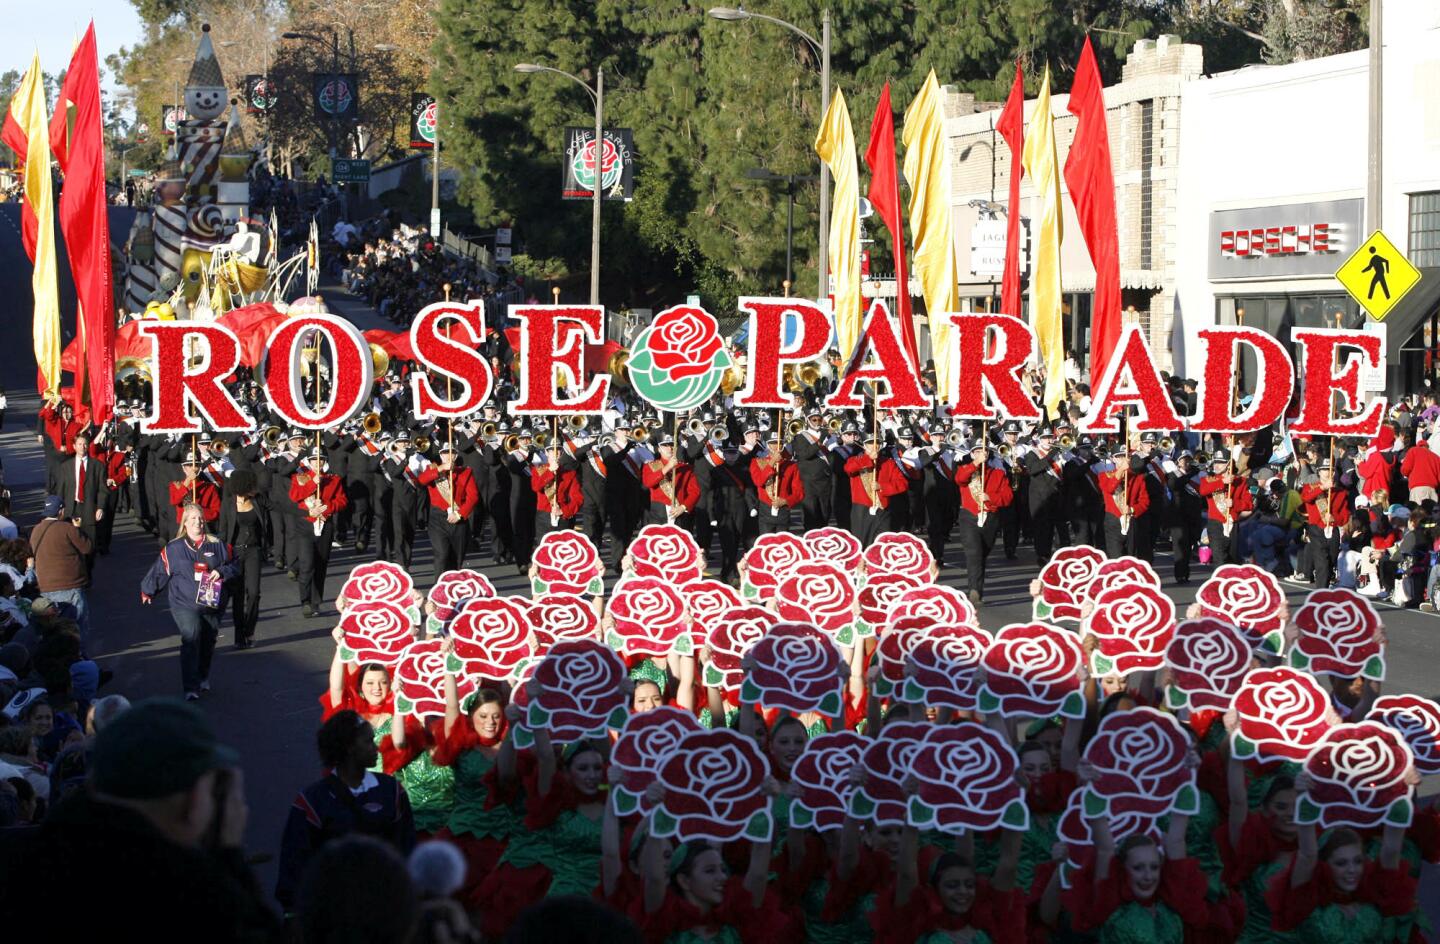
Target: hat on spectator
(159, 747)
(84, 680)
(1398, 511)
(52, 506)
(1385, 440)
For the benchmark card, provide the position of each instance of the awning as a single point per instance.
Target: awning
(1412, 310)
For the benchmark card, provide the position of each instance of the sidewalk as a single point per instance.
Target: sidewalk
(352, 308)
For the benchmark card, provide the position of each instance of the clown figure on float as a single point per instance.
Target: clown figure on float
(198, 141)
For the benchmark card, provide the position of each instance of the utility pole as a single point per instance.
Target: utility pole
(1374, 191)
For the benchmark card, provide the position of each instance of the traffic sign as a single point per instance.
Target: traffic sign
(1378, 275)
(350, 171)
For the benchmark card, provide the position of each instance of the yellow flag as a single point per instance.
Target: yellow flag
(932, 229)
(1045, 298)
(27, 114)
(836, 146)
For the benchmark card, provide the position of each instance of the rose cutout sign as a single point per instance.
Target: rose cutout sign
(375, 631)
(835, 545)
(666, 552)
(646, 738)
(935, 602)
(1249, 598)
(892, 652)
(714, 789)
(1140, 759)
(452, 589)
(1033, 670)
(566, 562)
(1361, 777)
(900, 552)
(1339, 635)
(1418, 721)
(883, 799)
(822, 776)
(966, 776)
(1065, 580)
(419, 678)
(1282, 714)
(706, 600)
(676, 363)
(880, 594)
(942, 667)
(732, 635)
(1131, 625)
(493, 639)
(384, 582)
(822, 593)
(649, 618)
(769, 559)
(580, 693)
(561, 617)
(1208, 660)
(1120, 572)
(795, 666)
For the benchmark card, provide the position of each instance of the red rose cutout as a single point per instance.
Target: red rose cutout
(819, 592)
(1208, 660)
(567, 562)
(1417, 720)
(714, 789)
(665, 552)
(452, 589)
(881, 594)
(767, 562)
(1074, 830)
(1249, 598)
(1120, 572)
(797, 667)
(381, 582)
(1033, 670)
(892, 652)
(1139, 757)
(561, 617)
(1065, 580)
(684, 341)
(1132, 625)
(646, 738)
(1358, 778)
(883, 799)
(1283, 713)
(375, 632)
(493, 639)
(580, 694)
(650, 618)
(899, 552)
(835, 545)
(966, 774)
(419, 679)
(937, 603)
(705, 600)
(1339, 635)
(732, 635)
(942, 667)
(822, 775)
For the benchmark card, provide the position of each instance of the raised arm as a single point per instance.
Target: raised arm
(337, 671)
(611, 863)
(652, 873)
(1307, 853)
(907, 867)
(1008, 866)
(757, 874)
(1175, 837)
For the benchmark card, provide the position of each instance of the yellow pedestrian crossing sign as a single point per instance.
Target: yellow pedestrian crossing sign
(1378, 275)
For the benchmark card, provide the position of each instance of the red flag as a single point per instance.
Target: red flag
(884, 195)
(84, 222)
(1012, 128)
(1092, 188)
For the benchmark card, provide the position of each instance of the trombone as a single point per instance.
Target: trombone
(421, 444)
(488, 430)
(1166, 443)
(695, 427)
(372, 424)
(834, 424)
(796, 427)
(512, 442)
(541, 440)
(640, 434)
(577, 422)
(272, 435)
(1066, 442)
(719, 434)
(955, 439)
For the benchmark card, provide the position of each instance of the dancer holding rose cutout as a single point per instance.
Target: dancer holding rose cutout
(938, 896)
(692, 897)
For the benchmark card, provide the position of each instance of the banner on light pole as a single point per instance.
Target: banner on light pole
(424, 121)
(616, 165)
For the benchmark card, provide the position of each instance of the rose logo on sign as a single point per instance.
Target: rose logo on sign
(335, 97)
(676, 363)
(425, 123)
(582, 165)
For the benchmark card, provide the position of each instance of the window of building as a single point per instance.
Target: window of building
(1425, 229)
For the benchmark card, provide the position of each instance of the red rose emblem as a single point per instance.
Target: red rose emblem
(561, 617)
(835, 545)
(375, 632)
(644, 741)
(566, 562)
(1283, 714)
(731, 636)
(714, 789)
(893, 651)
(822, 775)
(1417, 720)
(769, 559)
(1065, 580)
(1249, 598)
(821, 593)
(684, 341)
(580, 694)
(1033, 669)
(1139, 760)
(379, 581)
(797, 667)
(706, 600)
(883, 799)
(1074, 829)
(1132, 625)
(452, 589)
(419, 678)
(1359, 777)
(900, 552)
(943, 665)
(649, 618)
(937, 603)
(880, 595)
(493, 639)
(966, 775)
(1339, 635)
(666, 552)
(1121, 572)
(1208, 661)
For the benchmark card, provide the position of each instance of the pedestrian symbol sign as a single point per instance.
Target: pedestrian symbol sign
(1378, 275)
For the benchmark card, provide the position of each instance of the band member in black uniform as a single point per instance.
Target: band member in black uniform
(517, 463)
(319, 496)
(1012, 515)
(840, 453)
(1187, 513)
(1045, 468)
(285, 520)
(624, 499)
(816, 475)
(452, 495)
(1081, 496)
(730, 496)
(401, 469)
(242, 526)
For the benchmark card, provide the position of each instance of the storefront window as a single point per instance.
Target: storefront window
(1276, 315)
(1425, 229)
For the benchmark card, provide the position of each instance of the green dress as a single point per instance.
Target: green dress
(574, 841)
(943, 937)
(469, 817)
(431, 788)
(1134, 923)
(1257, 910)
(1331, 925)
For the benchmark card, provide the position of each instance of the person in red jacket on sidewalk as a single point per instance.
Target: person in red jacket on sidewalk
(1376, 467)
(1228, 503)
(1421, 468)
(984, 491)
(558, 497)
(1127, 501)
(778, 487)
(453, 496)
(875, 479)
(672, 485)
(321, 496)
(193, 488)
(1327, 509)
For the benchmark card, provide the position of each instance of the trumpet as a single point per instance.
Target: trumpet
(719, 434)
(577, 422)
(272, 435)
(421, 444)
(512, 442)
(1003, 450)
(220, 447)
(541, 440)
(954, 439)
(1202, 458)
(640, 434)
(695, 426)
(1166, 443)
(1066, 442)
(371, 424)
(834, 424)
(796, 427)
(488, 430)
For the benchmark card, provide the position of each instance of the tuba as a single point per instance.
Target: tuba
(617, 366)
(380, 359)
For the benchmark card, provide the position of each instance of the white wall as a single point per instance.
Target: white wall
(1411, 92)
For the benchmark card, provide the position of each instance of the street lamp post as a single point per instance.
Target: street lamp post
(761, 173)
(598, 95)
(333, 125)
(732, 14)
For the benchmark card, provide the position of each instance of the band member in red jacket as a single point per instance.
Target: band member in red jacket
(875, 479)
(1229, 501)
(193, 488)
(57, 429)
(453, 496)
(558, 497)
(672, 485)
(778, 486)
(1327, 511)
(320, 496)
(1127, 501)
(116, 461)
(984, 491)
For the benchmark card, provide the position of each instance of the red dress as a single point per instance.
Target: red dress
(1001, 915)
(737, 910)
